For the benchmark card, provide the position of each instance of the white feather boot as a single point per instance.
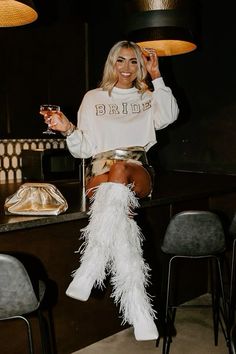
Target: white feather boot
(97, 245)
(112, 243)
(130, 276)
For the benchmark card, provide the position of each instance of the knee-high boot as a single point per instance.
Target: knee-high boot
(130, 276)
(97, 243)
(112, 243)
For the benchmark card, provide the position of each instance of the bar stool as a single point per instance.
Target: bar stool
(19, 298)
(195, 235)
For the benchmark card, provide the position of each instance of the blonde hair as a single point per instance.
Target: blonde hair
(109, 78)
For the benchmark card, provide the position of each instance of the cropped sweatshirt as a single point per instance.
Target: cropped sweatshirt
(123, 119)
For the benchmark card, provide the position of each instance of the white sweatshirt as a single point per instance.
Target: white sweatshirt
(126, 118)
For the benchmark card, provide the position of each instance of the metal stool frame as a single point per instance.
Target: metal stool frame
(186, 237)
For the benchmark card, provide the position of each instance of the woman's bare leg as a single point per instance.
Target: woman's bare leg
(125, 173)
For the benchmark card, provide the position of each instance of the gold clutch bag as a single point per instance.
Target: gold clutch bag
(36, 199)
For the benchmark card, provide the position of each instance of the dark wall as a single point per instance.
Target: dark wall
(46, 62)
(203, 139)
(43, 62)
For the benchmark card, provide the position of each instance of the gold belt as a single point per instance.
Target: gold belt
(131, 153)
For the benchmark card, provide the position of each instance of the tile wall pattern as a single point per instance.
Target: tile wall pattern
(10, 155)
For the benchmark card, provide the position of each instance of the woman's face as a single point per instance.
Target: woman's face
(126, 67)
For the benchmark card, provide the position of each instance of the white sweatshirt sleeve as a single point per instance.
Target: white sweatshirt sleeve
(165, 108)
(79, 145)
(80, 142)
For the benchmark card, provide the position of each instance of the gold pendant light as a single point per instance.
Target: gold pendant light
(17, 13)
(166, 25)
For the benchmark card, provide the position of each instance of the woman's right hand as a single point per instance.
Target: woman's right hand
(60, 122)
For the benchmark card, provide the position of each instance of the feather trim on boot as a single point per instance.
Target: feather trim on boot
(109, 205)
(131, 274)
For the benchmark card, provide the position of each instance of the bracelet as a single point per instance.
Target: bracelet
(69, 131)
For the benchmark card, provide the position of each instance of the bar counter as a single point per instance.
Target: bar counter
(170, 187)
(53, 240)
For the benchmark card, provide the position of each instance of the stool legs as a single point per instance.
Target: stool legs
(46, 332)
(218, 304)
(169, 315)
(29, 332)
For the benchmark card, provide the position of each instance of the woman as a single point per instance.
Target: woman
(116, 127)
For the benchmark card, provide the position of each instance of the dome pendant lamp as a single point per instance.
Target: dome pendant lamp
(166, 25)
(17, 13)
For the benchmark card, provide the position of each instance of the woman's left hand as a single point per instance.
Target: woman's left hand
(151, 62)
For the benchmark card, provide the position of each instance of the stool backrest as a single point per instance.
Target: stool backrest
(17, 296)
(194, 233)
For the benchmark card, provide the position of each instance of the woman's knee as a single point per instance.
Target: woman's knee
(119, 170)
